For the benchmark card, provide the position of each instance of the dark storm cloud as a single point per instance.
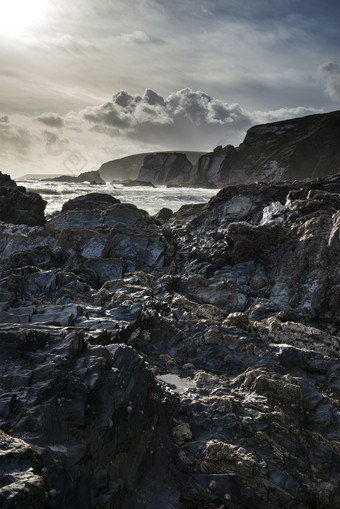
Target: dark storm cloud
(51, 120)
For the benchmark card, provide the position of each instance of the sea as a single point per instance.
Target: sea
(147, 198)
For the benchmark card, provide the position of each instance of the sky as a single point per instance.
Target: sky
(86, 81)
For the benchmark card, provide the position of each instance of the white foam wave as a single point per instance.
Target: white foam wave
(148, 198)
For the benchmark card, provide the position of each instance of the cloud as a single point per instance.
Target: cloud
(4, 119)
(14, 137)
(185, 119)
(331, 73)
(51, 120)
(264, 117)
(138, 37)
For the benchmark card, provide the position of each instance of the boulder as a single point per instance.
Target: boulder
(90, 201)
(18, 206)
(164, 214)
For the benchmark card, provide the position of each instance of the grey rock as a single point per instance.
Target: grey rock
(21, 484)
(161, 168)
(235, 300)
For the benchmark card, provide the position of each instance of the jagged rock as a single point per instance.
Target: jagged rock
(250, 241)
(87, 390)
(218, 293)
(18, 206)
(21, 484)
(235, 301)
(142, 249)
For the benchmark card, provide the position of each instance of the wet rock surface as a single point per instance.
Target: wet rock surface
(186, 361)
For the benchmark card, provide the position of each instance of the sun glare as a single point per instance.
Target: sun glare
(19, 16)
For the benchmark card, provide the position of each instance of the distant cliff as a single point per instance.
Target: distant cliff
(88, 176)
(128, 167)
(299, 148)
(295, 149)
(166, 168)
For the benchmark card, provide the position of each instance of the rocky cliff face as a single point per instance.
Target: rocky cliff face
(128, 167)
(184, 365)
(166, 168)
(292, 149)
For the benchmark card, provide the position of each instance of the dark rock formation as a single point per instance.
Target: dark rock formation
(213, 169)
(165, 168)
(135, 183)
(164, 214)
(6, 181)
(18, 206)
(298, 148)
(93, 177)
(128, 167)
(90, 201)
(190, 361)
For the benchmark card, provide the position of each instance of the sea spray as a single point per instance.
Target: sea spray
(150, 199)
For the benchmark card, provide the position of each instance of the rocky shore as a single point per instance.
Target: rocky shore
(185, 361)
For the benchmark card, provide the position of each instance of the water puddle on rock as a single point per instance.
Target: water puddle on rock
(179, 384)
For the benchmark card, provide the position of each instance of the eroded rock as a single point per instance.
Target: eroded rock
(236, 301)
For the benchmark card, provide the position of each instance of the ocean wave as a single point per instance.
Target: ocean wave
(147, 198)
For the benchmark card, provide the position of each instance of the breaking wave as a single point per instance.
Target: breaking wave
(148, 198)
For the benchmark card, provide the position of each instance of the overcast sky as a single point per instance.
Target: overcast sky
(86, 81)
